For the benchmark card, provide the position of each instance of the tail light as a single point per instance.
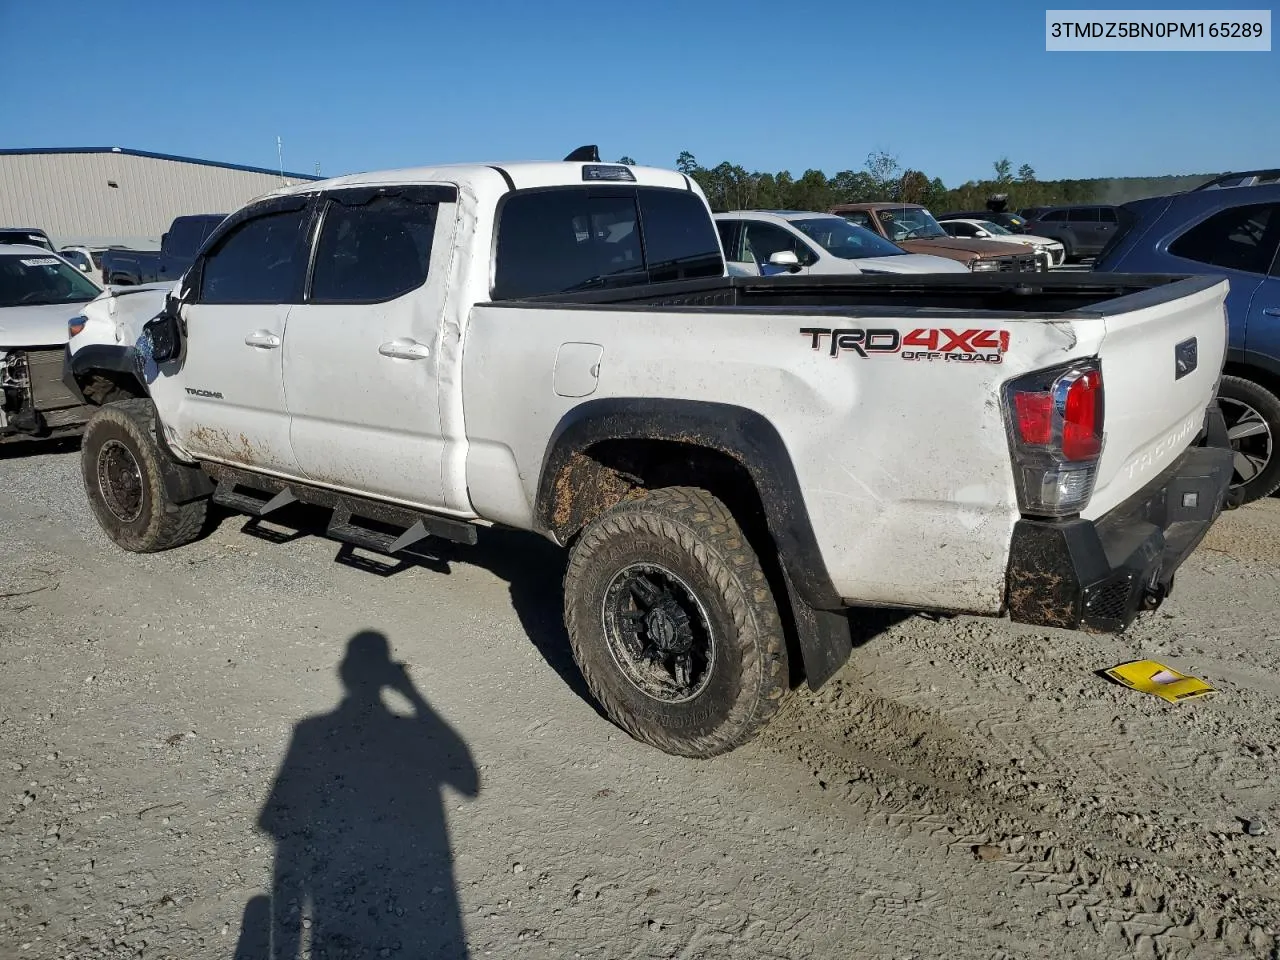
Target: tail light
(1054, 420)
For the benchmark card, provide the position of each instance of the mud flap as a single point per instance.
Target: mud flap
(182, 483)
(824, 637)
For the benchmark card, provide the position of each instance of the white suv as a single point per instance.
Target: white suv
(769, 242)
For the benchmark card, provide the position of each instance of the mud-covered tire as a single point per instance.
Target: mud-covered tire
(1247, 406)
(690, 534)
(138, 516)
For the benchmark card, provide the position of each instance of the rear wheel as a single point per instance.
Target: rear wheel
(120, 463)
(1252, 413)
(673, 624)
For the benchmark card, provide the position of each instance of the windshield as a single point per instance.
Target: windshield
(846, 240)
(909, 223)
(995, 228)
(34, 281)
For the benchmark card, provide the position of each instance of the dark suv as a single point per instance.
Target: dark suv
(1083, 230)
(1230, 227)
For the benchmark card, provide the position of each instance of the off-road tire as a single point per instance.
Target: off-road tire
(160, 524)
(692, 534)
(1267, 405)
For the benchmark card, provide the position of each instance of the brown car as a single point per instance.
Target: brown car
(913, 228)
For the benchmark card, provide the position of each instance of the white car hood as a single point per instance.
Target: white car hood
(41, 326)
(1032, 238)
(911, 263)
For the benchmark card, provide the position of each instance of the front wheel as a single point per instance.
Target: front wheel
(1252, 414)
(120, 463)
(673, 623)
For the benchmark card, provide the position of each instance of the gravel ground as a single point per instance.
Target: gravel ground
(208, 747)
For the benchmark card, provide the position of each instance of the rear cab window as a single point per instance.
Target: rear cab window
(563, 239)
(185, 237)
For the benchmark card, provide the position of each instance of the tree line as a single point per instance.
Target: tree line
(729, 186)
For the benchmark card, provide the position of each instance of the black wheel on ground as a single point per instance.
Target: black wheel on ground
(120, 462)
(673, 624)
(1068, 254)
(1252, 413)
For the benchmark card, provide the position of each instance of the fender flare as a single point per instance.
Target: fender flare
(98, 356)
(742, 434)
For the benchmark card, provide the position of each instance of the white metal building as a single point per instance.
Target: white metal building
(112, 195)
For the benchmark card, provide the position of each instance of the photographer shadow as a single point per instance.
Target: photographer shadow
(363, 865)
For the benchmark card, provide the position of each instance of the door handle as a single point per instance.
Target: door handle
(402, 348)
(264, 339)
(1271, 311)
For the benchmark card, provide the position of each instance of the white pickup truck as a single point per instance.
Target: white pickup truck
(733, 463)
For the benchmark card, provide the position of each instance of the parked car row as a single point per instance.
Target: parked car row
(869, 238)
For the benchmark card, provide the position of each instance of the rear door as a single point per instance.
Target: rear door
(1239, 243)
(180, 246)
(1083, 222)
(731, 239)
(1107, 226)
(227, 397)
(362, 362)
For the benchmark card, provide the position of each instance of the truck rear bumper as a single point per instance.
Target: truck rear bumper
(1097, 575)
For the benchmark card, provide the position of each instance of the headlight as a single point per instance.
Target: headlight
(76, 324)
(984, 266)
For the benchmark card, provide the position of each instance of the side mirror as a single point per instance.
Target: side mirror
(784, 258)
(163, 333)
(164, 240)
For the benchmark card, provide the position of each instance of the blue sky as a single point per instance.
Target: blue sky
(947, 87)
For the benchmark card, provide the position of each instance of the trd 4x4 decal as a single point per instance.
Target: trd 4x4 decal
(964, 346)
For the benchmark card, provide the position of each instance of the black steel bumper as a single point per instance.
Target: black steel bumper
(1098, 574)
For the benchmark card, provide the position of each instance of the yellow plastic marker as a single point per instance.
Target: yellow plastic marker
(1148, 676)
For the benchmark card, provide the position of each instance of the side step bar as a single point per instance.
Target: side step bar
(354, 520)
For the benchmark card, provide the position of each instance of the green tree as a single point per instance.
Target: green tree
(912, 187)
(850, 186)
(936, 194)
(883, 168)
(1004, 170)
(628, 161)
(686, 162)
(1026, 173)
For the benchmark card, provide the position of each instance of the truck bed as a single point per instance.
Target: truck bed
(1012, 296)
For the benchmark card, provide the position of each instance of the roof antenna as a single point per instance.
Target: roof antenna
(587, 154)
(280, 156)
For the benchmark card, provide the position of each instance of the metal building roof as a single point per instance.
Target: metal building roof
(101, 195)
(19, 151)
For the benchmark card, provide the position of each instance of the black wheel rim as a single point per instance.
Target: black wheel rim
(1250, 437)
(120, 481)
(658, 633)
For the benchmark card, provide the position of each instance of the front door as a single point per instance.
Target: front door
(227, 396)
(362, 360)
(761, 240)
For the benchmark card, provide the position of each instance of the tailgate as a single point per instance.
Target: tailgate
(1162, 356)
